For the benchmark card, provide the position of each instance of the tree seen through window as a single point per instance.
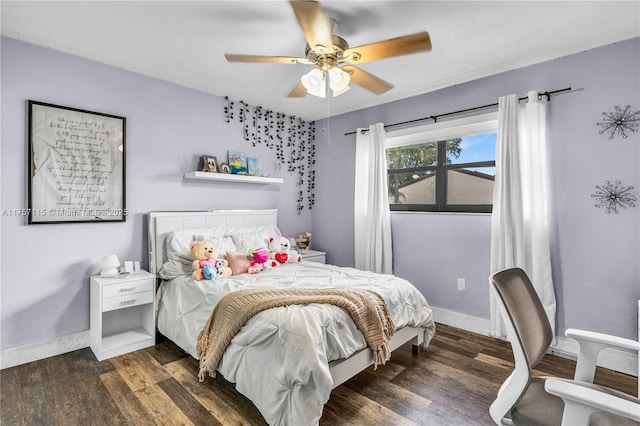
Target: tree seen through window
(455, 174)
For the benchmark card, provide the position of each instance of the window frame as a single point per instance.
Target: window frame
(439, 133)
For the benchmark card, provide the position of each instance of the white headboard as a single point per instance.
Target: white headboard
(160, 224)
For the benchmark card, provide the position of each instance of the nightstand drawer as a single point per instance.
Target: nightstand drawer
(126, 288)
(315, 256)
(127, 300)
(318, 259)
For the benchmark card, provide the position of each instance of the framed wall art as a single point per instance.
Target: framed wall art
(254, 166)
(237, 162)
(76, 165)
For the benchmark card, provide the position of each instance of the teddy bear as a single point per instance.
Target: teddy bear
(204, 260)
(280, 253)
(260, 260)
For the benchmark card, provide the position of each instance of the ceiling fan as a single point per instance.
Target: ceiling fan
(334, 60)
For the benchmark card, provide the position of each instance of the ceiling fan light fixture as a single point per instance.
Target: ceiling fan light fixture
(314, 82)
(338, 80)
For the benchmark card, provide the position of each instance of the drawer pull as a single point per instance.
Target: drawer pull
(122, 290)
(126, 300)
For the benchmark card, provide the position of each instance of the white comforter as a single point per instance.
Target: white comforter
(279, 359)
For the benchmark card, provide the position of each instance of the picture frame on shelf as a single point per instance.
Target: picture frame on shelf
(76, 165)
(237, 162)
(224, 168)
(210, 164)
(254, 166)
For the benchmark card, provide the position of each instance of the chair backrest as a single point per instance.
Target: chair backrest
(525, 312)
(528, 330)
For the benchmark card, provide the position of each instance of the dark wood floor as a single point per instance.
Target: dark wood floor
(452, 383)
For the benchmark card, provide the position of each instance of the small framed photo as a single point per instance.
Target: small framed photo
(254, 166)
(224, 168)
(210, 163)
(237, 162)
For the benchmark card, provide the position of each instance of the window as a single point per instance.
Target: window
(444, 167)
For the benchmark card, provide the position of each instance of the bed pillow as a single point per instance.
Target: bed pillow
(177, 244)
(178, 253)
(251, 240)
(238, 262)
(221, 244)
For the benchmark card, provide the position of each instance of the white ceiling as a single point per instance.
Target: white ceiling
(184, 42)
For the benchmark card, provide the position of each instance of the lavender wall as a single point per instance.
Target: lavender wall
(45, 268)
(596, 256)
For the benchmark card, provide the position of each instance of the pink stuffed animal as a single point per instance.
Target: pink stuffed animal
(260, 260)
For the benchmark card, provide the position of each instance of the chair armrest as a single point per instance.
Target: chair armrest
(605, 339)
(581, 401)
(591, 343)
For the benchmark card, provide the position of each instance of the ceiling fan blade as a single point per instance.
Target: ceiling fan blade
(405, 45)
(314, 23)
(231, 57)
(366, 80)
(298, 92)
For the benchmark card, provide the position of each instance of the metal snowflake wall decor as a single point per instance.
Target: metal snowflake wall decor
(620, 121)
(613, 196)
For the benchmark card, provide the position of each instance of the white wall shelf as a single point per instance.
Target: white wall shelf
(226, 177)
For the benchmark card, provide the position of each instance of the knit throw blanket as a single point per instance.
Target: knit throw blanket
(367, 309)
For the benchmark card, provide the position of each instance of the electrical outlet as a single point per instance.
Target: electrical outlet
(461, 284)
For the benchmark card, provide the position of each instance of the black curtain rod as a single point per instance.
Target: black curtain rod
(435, 117)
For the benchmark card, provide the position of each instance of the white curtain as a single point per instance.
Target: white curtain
(520, 223)
(372, 220)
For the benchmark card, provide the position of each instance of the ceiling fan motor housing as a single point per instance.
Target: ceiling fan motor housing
(320, 55)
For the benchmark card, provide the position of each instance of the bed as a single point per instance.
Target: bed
(286, 360)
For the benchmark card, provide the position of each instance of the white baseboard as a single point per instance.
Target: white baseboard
(462, 321)
(613, 359)
(23, 354)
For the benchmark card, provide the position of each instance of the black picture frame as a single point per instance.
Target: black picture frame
(76, 165)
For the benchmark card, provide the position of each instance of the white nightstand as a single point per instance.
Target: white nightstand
(122, 314)
(314, 256)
